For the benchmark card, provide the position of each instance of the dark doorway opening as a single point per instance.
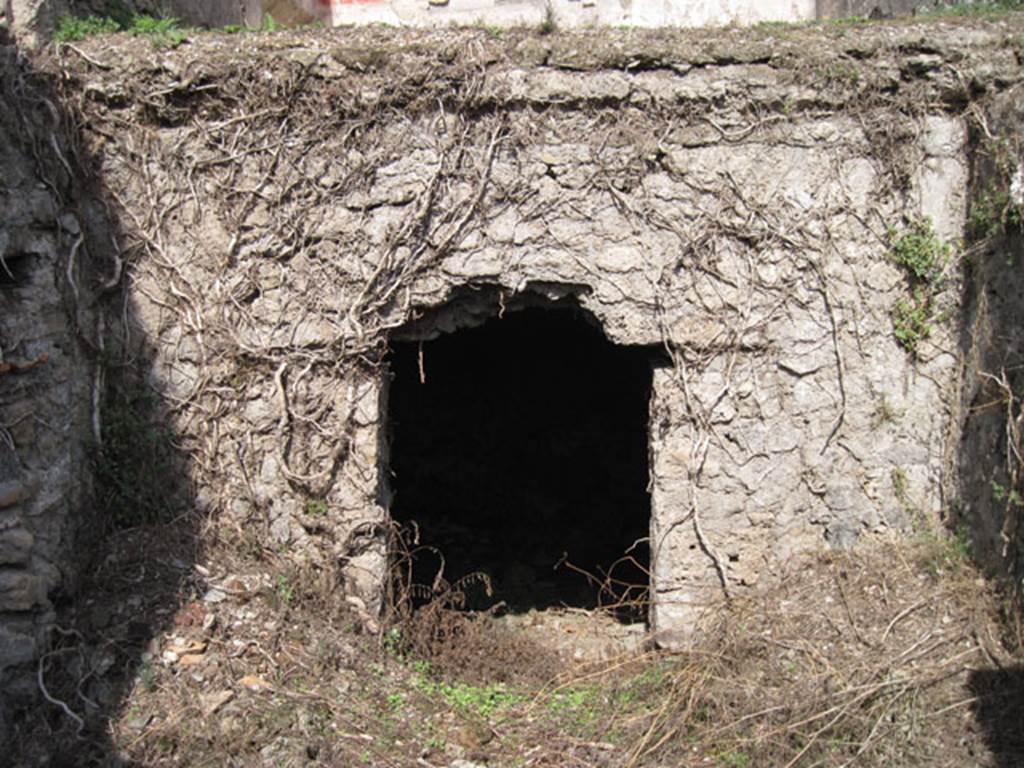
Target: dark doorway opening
(519, 449)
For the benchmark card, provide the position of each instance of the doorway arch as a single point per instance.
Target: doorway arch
(518, 445)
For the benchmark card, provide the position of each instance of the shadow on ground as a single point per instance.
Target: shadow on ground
(129, 553)
(999, 712)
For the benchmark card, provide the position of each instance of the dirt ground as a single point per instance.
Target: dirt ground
(897, 655)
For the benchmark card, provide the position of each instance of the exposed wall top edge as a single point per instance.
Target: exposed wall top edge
(937, 64)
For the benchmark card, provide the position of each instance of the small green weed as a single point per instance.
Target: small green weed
(435, 742)
(550, 23)
(285, 590)
(393, 642)
(886, 413)
(912, 320)
(994, 210)
(850, 21)
(579, 707)
(645, 686)
(71, 28)
(480, 700)
(919, 251)
(1010, 495)
(944, 551)
(923, 256)
(901, 490)
(316, 507)
(568, 700)
(162, 32)
(477, 700)
(734, 759)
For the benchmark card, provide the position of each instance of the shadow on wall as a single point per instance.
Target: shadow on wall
(992, 347)
(126, 560)
(999, 711)
(991, 475)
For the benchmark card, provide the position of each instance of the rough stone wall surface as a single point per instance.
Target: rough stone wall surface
(566, 13)
(45, 378)
(719, 202)
(301, 197)
(993, 347)
(582, 13)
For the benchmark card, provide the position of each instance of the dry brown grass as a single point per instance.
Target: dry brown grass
(890, 656)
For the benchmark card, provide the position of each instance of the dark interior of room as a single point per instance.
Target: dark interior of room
(522, 450)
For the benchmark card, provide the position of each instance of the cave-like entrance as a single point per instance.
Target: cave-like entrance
(519, 447)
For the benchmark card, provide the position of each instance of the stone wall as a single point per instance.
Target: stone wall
(46, 372)
(735, 211)
(287, 204)
(991, 479)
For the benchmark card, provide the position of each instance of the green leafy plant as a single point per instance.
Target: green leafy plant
(285, 590)
(920, 251)
(393, 643)
(1010, 495)
(71, 28)
(995, 210)
(942, 551)
(316, 507)
(479, 700)
(923, 256)
(912, 320)
(550, 22)
(162, 32)
(734, 759)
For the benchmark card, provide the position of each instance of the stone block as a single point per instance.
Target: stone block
(15, 647)
(15, 545)
(12, 492)
(19, 590)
